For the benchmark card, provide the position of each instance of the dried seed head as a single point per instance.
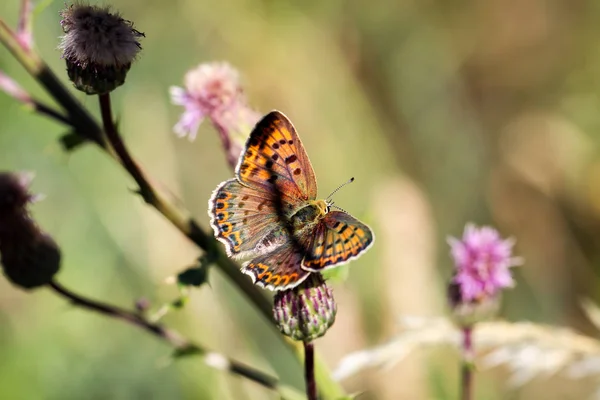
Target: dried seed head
(98, 46)
(307, 311)
(29, 257)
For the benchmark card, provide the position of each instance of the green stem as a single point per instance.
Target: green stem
(30, 61)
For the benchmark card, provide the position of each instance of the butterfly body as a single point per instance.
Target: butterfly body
(308, 215)
(270, 212)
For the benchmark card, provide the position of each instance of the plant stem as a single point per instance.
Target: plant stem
(226, 143)
(50, 112)
(309, 370)
(118, 145)
(181, 344)
(467, 363)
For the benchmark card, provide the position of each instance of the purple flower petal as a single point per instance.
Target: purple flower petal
(483, 261)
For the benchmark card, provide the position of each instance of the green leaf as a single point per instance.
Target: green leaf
(187, 351)
(71, 141)
(351, 396)
(338, 274)
(290, 393)
(194, 276)
(180, 302)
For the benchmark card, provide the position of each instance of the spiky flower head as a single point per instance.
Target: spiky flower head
(98, 46)
(307, 311)
(29, 257)
(483, 261)
(213, 91)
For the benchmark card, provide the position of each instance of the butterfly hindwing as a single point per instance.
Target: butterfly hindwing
(241, 217)
(275, 160)
(337, 238)
(280, 269)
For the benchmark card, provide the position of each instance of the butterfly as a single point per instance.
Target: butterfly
(270, 212)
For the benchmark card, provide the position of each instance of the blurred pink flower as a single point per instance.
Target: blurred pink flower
(483, 261)
(12, 88)
(213, 90)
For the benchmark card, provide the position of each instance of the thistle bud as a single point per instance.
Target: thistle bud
(307, 311)
(98, 46)
(29, 257)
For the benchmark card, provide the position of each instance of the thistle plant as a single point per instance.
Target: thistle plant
(305, 313)
(482, 260)
(99, 47)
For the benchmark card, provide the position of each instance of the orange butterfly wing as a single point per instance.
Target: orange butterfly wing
(337, 239)
(273, 177)
(280, 269)
(275, 160)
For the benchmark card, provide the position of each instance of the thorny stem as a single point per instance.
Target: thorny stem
(309, 370)
(87, 128)
(467, 363)
(181, 345)
(146, 191)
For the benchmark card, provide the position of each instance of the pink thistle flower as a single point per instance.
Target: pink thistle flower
(483, 261)
(213, 91)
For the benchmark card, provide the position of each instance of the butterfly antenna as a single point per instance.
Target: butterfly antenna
(338, 188)
(339, 208)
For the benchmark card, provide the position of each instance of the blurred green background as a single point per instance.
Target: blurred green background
(445, 112)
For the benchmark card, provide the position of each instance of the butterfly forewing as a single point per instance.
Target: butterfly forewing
(337, 238)
(280, 269)
(275, 160)
(241, 217)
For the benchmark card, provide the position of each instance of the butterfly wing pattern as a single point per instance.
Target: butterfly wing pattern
(338, 238)
(241, 217)
(278, 270)
(275, 160)
(250, 214)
